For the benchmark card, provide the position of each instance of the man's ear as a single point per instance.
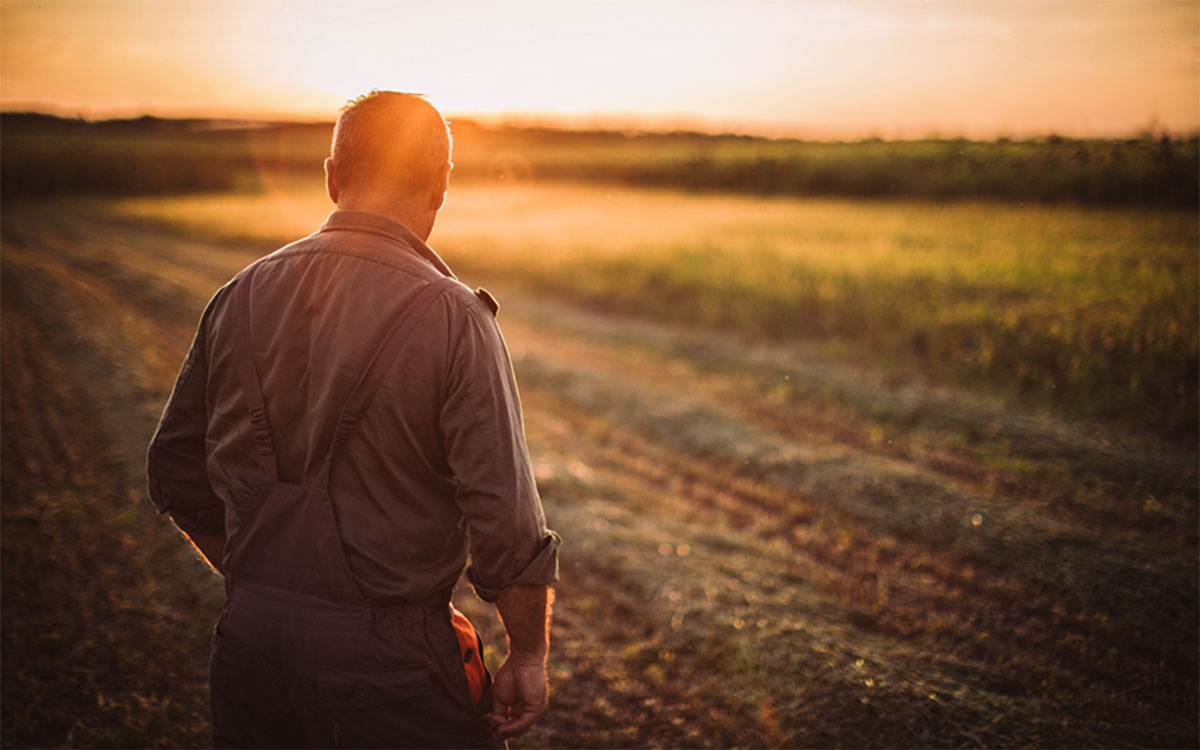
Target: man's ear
(439, 195)
(331, 186)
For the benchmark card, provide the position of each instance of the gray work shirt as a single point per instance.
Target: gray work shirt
(437, 468)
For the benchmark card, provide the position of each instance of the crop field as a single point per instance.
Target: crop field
(829, 472)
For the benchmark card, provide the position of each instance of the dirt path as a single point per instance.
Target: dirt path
(764, 548)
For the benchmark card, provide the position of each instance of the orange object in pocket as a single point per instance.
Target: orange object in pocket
(471, 648)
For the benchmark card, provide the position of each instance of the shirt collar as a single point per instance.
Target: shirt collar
(366, 221)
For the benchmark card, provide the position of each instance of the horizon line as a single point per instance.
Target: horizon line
(617, 122)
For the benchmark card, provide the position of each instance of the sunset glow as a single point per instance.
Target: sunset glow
(804, 68)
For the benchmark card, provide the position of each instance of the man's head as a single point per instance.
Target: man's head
(390, 150)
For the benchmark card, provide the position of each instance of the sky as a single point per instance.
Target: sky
(894, 68)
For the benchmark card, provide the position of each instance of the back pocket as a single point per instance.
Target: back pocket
(250, 704)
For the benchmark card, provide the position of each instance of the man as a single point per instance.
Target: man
(344, 431)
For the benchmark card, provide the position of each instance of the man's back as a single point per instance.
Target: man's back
(442, 437)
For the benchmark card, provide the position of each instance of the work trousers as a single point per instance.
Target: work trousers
(290, 670)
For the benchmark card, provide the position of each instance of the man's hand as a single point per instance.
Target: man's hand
(519, 696)
(519, 689)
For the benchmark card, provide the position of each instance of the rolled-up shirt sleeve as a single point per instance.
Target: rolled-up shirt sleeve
(176, 460)
(485, 448)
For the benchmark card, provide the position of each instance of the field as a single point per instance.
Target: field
(1084, 310)
(829, 472)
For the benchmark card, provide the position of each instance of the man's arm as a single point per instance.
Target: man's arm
(520, 688)
(514, 557)
(175, 461)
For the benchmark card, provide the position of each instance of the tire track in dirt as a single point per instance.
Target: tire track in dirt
(940, 621)
(708, 596)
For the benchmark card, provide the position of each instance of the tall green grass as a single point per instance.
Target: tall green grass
(1110, 354)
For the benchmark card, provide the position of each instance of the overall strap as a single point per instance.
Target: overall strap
(244, 357)
(381, 362)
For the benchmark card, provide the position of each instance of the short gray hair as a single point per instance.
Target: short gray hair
(394, 139)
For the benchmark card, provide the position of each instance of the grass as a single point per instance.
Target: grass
(1091, 311)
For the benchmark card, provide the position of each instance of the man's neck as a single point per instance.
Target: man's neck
(417, 219)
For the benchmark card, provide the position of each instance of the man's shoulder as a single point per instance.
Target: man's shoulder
(488, 300)
(461, 305)
(477, 303)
